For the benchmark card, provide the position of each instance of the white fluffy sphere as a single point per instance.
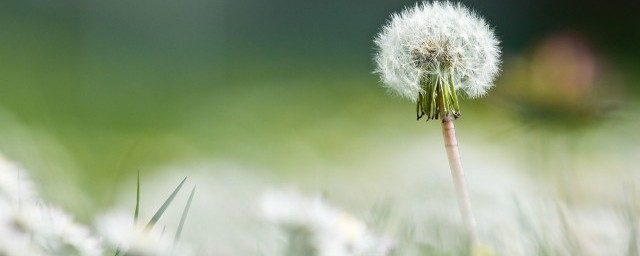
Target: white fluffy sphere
(438, 38)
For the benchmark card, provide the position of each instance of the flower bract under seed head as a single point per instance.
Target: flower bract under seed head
(434, 49)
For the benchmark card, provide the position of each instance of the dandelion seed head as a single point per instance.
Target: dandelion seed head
(440, 39)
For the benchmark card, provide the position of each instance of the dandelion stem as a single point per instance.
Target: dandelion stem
(457, 173)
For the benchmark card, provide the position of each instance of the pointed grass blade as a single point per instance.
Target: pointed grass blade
(164, 206)
(137, 211)
(184, 215)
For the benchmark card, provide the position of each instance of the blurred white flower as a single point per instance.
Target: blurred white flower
(332, 231)
(57, 233)
(438, 39)
(37, 229)
(121, 233)
(14, 232)
(30, 227)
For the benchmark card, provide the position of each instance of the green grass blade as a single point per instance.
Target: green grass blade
(137, 211)
(184, 215)
(164, 206)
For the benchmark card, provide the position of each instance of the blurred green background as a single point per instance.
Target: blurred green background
(93, 91)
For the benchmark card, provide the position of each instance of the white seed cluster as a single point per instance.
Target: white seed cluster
(28, 226)
(331, 231)
(437, 38)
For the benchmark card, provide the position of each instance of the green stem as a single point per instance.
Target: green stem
(435, 89)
